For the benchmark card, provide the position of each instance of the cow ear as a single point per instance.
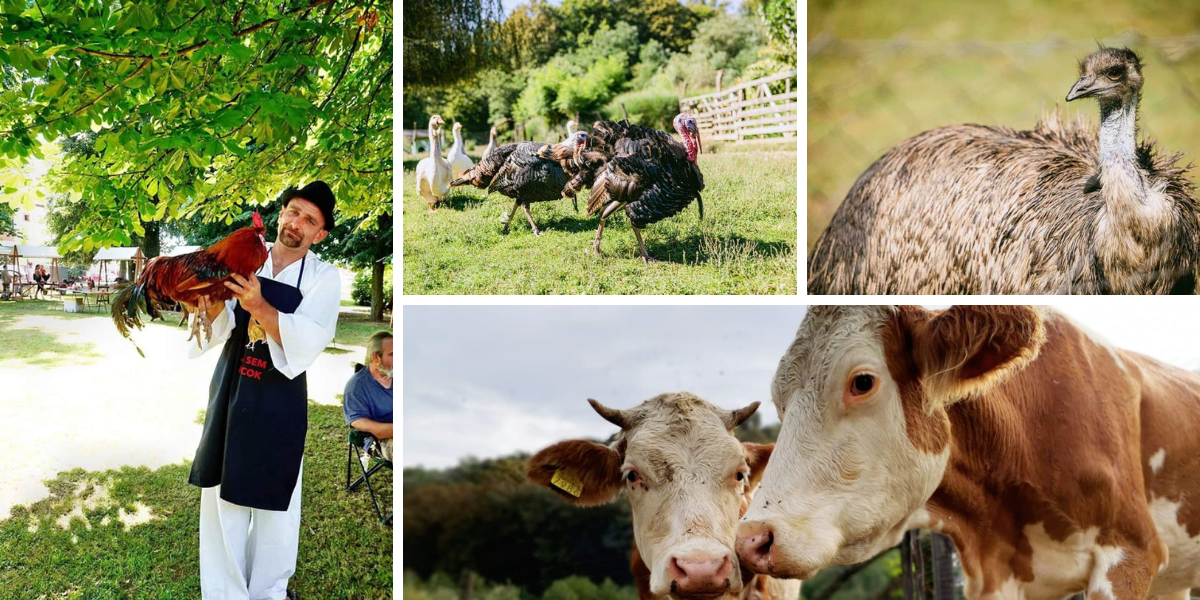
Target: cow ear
(581, 472)
(964, 351)
(757, 456)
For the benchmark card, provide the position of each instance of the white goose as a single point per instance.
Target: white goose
(433, 172)
(491, 145)
(459, 161)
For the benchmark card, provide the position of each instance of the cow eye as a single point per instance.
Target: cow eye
(740, 476)
(631, 476)
(862, 384)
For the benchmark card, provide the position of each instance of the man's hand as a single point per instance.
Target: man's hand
(248, 292)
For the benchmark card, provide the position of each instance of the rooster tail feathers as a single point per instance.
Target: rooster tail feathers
(124, 312)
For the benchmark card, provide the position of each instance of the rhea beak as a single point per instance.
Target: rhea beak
(1086, 86)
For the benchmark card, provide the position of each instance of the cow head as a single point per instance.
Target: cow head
(863, 393)
(688, 481)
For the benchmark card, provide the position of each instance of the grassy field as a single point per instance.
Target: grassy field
(880, 72)
(745, 244)
(131, 533)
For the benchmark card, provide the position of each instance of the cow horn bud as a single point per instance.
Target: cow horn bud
(611, 415)
(736, 417)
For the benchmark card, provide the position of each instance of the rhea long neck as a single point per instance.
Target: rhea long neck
(1118, 133)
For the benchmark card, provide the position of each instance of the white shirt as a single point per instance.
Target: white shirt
(306, 332)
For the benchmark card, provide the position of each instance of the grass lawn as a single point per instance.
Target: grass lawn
(907, 68)
(745, 244)
(116, 517)
(132, 532)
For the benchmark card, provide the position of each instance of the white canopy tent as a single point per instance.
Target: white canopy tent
(105, 255)
(180, 250)
(33, 256)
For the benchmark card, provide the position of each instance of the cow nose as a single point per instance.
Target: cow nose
(754, 543)
(700, 575)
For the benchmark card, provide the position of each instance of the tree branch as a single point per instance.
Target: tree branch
(345, 67)
(198, 45)
(833, 586)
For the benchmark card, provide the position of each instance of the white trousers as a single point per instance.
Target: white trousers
(247, 553)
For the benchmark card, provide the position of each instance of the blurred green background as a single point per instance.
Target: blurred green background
(883, 71)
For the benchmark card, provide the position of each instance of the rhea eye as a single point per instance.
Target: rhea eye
(862, 384)
(1114, 75)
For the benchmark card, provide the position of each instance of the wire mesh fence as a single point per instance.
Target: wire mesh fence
(865, 96)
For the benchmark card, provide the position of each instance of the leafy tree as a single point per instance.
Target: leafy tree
(780, 16)
(446, 41)
(666, 21)
(200, 108)
(531, 34)
(7, 226)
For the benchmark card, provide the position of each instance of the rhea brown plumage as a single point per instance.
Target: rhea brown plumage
(970, 209)
(518, 172)
(183, 279)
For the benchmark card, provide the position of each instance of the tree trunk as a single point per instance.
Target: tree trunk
(466, 582)
(943, 567)
(151, 244)
(377, 291)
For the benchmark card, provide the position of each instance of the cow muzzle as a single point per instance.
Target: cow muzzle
(702, 576)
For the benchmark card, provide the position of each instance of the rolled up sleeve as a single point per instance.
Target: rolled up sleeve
(306, 332)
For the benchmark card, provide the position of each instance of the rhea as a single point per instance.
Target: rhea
(971, 209)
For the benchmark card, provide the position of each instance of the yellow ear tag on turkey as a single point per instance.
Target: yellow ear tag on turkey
(567, 483)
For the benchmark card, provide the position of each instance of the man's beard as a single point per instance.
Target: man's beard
(290, 239)
(386, 372)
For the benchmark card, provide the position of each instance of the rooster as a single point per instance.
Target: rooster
(184, 278)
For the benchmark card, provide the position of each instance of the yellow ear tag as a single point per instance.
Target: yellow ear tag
(567, 483)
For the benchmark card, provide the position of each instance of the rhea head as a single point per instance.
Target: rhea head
(1110, 75)
(685, 125)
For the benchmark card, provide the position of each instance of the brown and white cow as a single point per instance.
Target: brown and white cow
(1057, 463)
(688, 480)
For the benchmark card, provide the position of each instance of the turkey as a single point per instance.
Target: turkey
(647, 173)
(491, 147)
(517, 171)
(433, 172)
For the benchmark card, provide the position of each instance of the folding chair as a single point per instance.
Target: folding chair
(359, 439)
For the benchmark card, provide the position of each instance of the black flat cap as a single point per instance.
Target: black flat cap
(318, 193)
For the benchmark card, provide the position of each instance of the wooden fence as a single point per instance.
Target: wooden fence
(747, 109)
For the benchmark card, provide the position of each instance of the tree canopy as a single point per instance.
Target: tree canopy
(193, 108)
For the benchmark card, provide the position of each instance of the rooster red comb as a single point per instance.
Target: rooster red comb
(258, 224)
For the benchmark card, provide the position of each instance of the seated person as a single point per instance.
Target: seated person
(5, 283)
(367, 400)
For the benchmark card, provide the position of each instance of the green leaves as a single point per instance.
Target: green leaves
(167, 109)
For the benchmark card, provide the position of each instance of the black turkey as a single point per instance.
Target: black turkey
(518, 172)
(647, 173)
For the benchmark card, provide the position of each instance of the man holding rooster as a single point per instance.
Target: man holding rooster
(249, 462)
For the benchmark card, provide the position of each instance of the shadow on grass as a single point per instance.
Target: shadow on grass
(460, 200)
(35, 347)
(698, 248)
(132, 532)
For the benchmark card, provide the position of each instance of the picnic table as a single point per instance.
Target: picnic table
(79, 300)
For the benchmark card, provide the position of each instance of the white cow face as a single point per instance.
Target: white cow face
(862, 393)
(688, 481)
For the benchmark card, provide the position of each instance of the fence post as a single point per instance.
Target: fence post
(943, 566)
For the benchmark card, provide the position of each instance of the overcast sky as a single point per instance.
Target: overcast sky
(487, 381)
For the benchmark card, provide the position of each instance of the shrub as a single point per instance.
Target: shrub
(652, 108)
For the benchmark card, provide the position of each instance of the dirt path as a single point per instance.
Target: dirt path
(107, 407)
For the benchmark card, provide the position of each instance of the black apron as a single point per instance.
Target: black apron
(257, 418)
